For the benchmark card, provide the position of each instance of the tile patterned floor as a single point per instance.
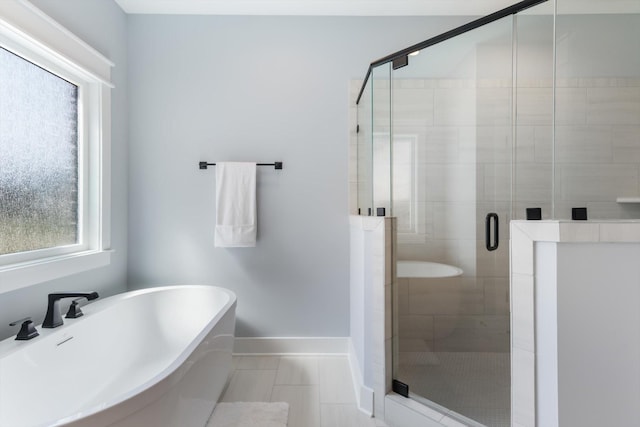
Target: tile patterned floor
(319, 389)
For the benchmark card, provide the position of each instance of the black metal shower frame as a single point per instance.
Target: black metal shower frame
(402, 55)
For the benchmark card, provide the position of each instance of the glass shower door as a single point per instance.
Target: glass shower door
(452, 139)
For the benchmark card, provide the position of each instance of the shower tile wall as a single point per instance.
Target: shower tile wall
(462, 144)
(461, 148)
(597, 147)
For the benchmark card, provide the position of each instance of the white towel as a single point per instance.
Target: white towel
(236, 222)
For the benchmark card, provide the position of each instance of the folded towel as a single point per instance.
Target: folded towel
(236, 222)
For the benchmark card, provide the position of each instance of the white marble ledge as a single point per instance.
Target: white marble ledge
(565, 231)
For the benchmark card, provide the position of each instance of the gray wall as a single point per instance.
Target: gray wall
(103, 25)
(251, 89)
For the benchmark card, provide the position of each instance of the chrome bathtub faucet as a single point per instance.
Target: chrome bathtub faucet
(53, 318)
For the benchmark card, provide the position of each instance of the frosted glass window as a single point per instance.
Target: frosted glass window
(38, 157)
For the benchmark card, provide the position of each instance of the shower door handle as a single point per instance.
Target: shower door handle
(492, 218)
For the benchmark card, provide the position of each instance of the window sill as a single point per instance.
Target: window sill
(25, 274)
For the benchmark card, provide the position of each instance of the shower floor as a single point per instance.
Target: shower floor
(473, 384)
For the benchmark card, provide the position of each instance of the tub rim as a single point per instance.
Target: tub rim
(162, 380)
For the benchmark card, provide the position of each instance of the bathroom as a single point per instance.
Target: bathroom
(253, 86)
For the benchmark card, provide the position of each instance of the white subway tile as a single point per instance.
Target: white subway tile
(626, 144)
(492, 263)
(415, 345)
(453, 295)
(613, 106)
(416, 326)
(472, 333)
(533, 182)
(410, 83)
(493, 106)
(571, 106)
(455, 220)
(441, 145)
(583, 144)
(413, 106)
(497, 182)
(544, 144)
(454, 183)
(455, 106)
(595, 182)
(534, 106)
(496, 295)
(525, 148)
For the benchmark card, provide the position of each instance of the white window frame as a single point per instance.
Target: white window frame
(32, 35)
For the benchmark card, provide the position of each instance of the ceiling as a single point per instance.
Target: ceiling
(363, 7)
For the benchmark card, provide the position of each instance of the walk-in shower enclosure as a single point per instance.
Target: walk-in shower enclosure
(532, 111)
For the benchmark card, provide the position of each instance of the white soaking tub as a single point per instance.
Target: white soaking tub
(156, 357)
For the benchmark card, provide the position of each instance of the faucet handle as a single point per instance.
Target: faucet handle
(27, 330)
(74, 309)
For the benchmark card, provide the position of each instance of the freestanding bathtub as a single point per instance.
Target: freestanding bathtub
(156, 357)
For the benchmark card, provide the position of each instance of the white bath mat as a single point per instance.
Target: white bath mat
(250, 414)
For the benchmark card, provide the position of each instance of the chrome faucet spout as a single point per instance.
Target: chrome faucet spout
(53, 318)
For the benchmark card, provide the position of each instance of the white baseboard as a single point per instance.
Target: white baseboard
(290, 345)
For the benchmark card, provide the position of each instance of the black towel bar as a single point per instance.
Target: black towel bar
(276, 165)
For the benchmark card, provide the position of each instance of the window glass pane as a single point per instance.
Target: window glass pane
(38, 157)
